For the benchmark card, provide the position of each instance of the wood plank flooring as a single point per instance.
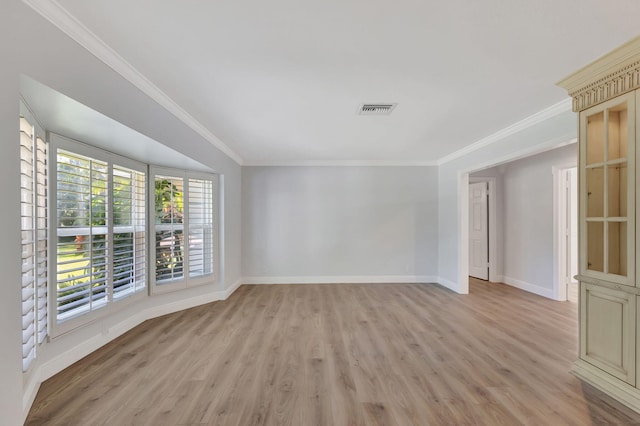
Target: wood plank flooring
(371, 354)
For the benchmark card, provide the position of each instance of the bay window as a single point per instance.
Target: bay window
(120, 230)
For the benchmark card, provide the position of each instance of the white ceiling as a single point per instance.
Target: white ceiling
(280, 81)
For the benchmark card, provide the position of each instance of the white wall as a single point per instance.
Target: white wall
(10, 307)
(452, 179)
(528, 240)
(30, 45)
(339, 224)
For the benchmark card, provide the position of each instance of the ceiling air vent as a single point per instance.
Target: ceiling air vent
(376, 109)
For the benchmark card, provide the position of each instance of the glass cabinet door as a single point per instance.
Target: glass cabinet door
(607, 222)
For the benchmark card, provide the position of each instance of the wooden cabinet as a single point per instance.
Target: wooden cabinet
(606, 94)
(607, 339)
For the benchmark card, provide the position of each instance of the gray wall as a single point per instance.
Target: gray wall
(328, 224)
(528, 218)
(30, 45)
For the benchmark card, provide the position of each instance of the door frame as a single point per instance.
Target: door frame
(493, 240)
(560, 201)
(462, 283)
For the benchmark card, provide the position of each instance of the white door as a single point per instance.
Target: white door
(478, 231)
(571, 233)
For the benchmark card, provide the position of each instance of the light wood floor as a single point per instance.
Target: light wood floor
(397, 354)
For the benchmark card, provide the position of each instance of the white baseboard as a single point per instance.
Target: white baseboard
(342, 279)
(228, 292)
(531, 288)
(59, 363)
(453, 286)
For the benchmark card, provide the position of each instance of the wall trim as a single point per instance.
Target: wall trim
(532, 120)
(531, 288)
(50, 368)
(229, 291)
(55, 13)
(455, 287)
(342, 163)
(343, 279)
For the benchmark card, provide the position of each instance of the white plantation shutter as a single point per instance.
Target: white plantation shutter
(27, 231)
(33, 211)
(100, 232)
(169, 229)
(200, 222)
(184, 228)
(82, 255)
(129, 265)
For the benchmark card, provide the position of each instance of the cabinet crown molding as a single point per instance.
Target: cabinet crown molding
(609, 76)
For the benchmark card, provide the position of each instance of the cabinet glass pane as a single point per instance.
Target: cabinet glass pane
(617, 137)
(617, 235)
(595, 246)
(595, 138)
(595, 192)
(617, 190)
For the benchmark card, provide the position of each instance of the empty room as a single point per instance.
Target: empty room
(319, 213)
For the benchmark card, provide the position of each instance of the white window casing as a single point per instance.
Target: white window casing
(100, 232)
(183, 218)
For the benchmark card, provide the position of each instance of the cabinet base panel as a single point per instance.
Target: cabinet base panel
(615, 388)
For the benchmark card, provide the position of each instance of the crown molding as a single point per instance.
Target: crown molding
(532, 120)
(609, 76)
(340, 163)
(53, 11)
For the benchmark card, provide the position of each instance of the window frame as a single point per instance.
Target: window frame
(113, 304)
(186, 281)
